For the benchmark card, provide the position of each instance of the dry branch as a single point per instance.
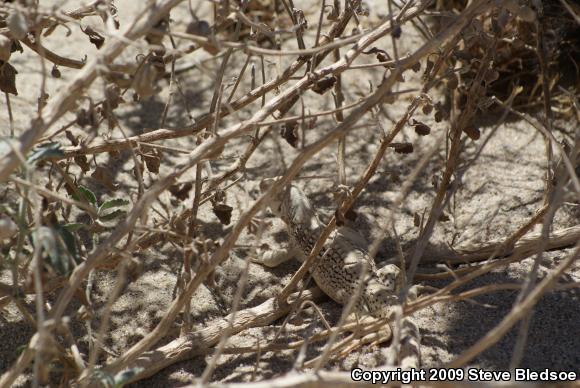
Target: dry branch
(62, 102)
(524, 247)
(199, 341)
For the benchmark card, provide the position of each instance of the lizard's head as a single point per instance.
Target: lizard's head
(290, 203)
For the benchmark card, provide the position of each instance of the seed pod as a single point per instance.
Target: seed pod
(55, 72)
(402, 148)
(397, 31)
(324, 84)
(421, 129)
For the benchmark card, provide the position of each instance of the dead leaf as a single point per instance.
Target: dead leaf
(152, 162)
(402, 148)
(421, 129)
(181, 191)
(223, 212)
(146, 77)
(323, 85)
(8, 78)
(94, 37)
(416, 220)
(82, 162)
(105, 177)
(289, 132)
(198, 27)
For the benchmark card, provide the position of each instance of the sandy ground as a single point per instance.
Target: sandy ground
(499, 193)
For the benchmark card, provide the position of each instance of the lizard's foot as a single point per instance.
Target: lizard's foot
(272, 258)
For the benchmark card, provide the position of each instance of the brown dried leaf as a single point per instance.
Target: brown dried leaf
(416, 67)
(402, 148)
(421, 129)
(427, 108)
(181, 191)
(219, 196)
(152, 162)
(105, 177)
(8, 78)
(94, 37)
(223, 212)
(55, 72)
(72, 138)
(438, 116)
(82, 162)
(147, 75)
(113, 96)
(289, 132)
(416, 220)
(324, 84)
(86, 118)
(198, 27)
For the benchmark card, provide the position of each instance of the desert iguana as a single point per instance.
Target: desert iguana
(341, 263)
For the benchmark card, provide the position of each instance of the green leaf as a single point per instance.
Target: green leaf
(111, 216)
(88, 195)
(117, 202)
(60, 247)
(45, 151)
(57, 255)
(69, 242)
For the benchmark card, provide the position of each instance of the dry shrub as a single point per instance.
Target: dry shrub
(57, 229)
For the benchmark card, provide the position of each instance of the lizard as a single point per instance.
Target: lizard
(341, 265)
